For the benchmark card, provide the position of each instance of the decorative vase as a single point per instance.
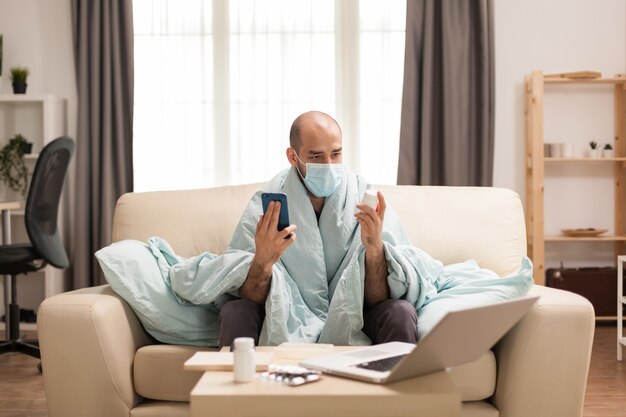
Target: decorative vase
(607, 153)
(569, 150)
(19, 88)
(594, 153)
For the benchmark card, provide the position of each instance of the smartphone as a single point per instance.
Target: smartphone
(283, 219)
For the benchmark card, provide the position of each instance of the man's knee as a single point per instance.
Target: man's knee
(399, 310)
(232, 308)
(240, 310)
(240, 318)
(392, 321)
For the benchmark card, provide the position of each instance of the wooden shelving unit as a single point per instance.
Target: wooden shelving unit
(41, 118)
(536, 161)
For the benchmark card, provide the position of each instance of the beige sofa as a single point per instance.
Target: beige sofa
(99, 361)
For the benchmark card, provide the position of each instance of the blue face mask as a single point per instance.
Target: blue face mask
(321, 179)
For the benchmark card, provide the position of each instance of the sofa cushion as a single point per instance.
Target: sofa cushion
(192, 221)
(485, 223)
(479, 409)
(481, 223)
(476, 380)
(149, 408)
(159, 374)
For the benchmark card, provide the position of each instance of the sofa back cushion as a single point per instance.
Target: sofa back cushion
(192, 221)
(452, 224)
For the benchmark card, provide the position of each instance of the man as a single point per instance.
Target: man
(315, 155)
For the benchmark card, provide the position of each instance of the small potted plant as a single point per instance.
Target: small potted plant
(19, 75)
(13, 170)
(607, 151)
(594, 151)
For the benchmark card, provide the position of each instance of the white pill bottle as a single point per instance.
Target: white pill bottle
(370, 198)
(243, 366)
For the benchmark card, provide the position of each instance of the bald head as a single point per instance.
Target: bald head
(315, 137)
(312, 123)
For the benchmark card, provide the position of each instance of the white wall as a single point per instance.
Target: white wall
(554, 36)
(38, 35)
(559, 36)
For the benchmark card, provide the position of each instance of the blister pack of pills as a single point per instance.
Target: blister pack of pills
(290, 375)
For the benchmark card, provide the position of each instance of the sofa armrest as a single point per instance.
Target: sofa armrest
(543, 361)
(88, 340)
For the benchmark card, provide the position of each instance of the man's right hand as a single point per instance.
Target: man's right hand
(270, 246)
(270, 242)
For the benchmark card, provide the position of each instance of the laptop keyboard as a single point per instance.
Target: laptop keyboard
(381, 365)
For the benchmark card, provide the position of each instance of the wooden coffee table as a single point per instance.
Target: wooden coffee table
(216, 394)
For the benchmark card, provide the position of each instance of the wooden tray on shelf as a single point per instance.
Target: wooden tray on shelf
(589, 232)
(576, 75)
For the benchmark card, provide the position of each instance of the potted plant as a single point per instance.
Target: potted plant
(13, 170)
(607, 151)
(19, 75)
(594, 151)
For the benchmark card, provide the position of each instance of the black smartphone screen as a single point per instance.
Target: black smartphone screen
(283, 220)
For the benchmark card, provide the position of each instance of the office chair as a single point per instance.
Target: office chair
(45, 247)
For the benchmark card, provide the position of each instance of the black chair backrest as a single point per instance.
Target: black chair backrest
(42, 204)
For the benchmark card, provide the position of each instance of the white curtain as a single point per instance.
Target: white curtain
(218, 83)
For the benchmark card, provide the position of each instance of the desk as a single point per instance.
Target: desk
(6, 207)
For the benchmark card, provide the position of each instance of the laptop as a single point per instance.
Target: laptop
(459, 337)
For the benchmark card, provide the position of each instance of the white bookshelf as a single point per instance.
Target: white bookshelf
(621, 300)
(40, 118)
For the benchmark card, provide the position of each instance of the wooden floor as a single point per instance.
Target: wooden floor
(606, 385)
(21, 387)
(22, 391)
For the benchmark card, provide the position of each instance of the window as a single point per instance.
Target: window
(218, 83)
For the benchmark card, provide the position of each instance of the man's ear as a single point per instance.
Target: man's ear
(291, 156)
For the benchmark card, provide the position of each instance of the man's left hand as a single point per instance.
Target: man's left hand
(371, 222)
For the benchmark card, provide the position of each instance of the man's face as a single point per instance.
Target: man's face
(320, 145)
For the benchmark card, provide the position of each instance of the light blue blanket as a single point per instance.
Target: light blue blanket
(317, 289)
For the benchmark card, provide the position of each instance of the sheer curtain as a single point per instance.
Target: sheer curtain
(218, 83)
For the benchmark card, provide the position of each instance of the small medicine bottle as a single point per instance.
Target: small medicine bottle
(244, 366)
(370, 198)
